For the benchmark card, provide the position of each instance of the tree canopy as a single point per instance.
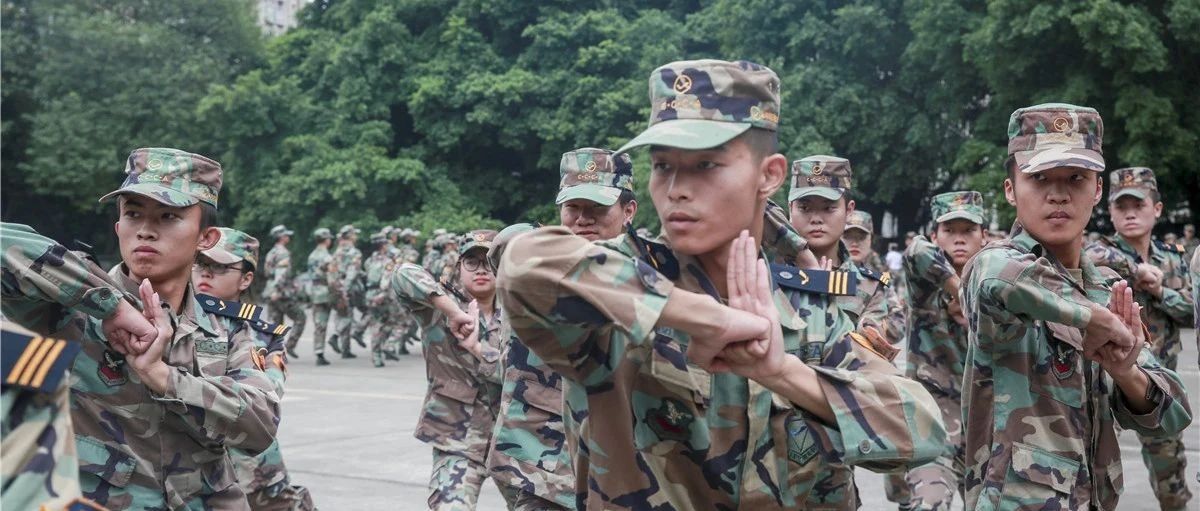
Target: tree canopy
(432, 113)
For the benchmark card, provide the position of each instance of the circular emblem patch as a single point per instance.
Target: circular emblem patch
(154, 164)
(683, 84)
(817, 169)
(590, 167)
(1061, 124)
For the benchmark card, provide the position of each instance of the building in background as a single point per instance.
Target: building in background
(278, 16)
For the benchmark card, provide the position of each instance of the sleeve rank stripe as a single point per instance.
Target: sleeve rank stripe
(36, 362)
(40, 377)
(19, 368)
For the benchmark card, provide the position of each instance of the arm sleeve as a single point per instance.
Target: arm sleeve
(1029, 288)
(414, 286)
(578, 304)
(1171, 416)
(238, 409)
(1101, 254)
(926, 262)
(42, 281)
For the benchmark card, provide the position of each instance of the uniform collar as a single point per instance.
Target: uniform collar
(193, 315)
(1023, 241)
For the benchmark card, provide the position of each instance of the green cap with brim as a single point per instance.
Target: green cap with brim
(1129, 192)
(170, 176)
(503, 237)
(824, 193)
(687, 134)
(819, 175)
(1132, 182)
(234, 246)
(600, 194)
(477, 240)
(966, 205)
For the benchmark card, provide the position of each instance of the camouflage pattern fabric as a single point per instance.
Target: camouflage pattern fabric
(281, 293)
(234, 246)
(1133, 182)
(1165, 316)
(1040, 419)
(170, 176)
(699, 440)
(868, 307)
(595, 175)
(217, 399)
(321, 278)
(937, 350)
(461, 403)
(383, 312)
(39, 468)
(822, 176)
(348, 263)
(456, 481)
(1050, 135)
(965, 205)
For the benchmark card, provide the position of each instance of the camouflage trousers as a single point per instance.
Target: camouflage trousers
(932, 486)
(1165, 457)
(281, 497)
(344, 327)
(321, 313)
(294, 311)
(40, 466)
(455, 482)
(521, 500)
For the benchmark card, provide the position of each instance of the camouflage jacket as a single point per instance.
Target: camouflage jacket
(348, 261)
(444, 268)
(1040, 418)
(699, 440)
(408, 254)
(869, 305)
(460, 405)
(321, 276)
(529, 448)
(138, 449)
(429, 259)
(1165, 315)
(40, 468)
(937, 345)
(277, 269)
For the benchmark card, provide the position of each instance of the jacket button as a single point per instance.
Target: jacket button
(864, 447)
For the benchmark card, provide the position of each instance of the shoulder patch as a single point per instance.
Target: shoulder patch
(268, 327)
(876, 276)
(657, 255)
(34, 362)
(1170, 247)
(836, 282)
(229, 308)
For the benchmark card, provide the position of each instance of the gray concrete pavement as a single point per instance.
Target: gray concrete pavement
(347, 435)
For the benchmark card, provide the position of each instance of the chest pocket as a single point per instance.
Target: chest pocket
(668, 364)
(1058, 373)
(212, 357)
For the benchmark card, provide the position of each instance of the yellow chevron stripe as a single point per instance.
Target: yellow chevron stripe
(242, 310)
(278, 329)
(48, 362)
(30, 349)
(250, 311)
(845, 282)
(35, 362)
(841, 283)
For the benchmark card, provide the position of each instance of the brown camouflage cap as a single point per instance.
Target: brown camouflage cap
(701, 104)
(234, 246)
(170, 176)
(1132, 181)
(1050, 135)
(953, 205)
(594, 174)
(477, 240)
(860, 220)
(820, 175)
(321, 234)
(347, 230)
(503, 237)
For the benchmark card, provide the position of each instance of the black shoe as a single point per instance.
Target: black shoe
(347, 354)
(358, 339)
(321, 360)
(333, 343)
(390, 356)
(378, 363)
(403, 350)
(292, 353)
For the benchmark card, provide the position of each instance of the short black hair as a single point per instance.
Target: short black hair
(762, 142)
(208, 216)
(626, 197)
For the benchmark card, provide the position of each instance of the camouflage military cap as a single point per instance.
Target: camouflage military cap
(700, 104)
(170, 176)
(1134, 182)
(503, 237)
(450, 239)
(347, 230)
(378, 237)
(1051, 135)
(322, 234)
(439, 232)
(820, 175)
(594, 174)
(386, 230)
(948, 206)
(280, 231)
(234, 246)
(415, 233)
(860, 220)
(480, 239)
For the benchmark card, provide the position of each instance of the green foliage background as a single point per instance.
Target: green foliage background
(439, 113)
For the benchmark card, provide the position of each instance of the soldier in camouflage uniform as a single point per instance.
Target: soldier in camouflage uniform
(639, 326)
(1057, 355)
(937, 346)
(460, 405)
(156, 404)
(1161, 282)
(280, 290)
(445, 268)
(319, 285)
(382, 314)
(858, 238)
(433, 250)
(222, 274)
(40, 468)
(347, 260)
(409, 329)
(820, 204)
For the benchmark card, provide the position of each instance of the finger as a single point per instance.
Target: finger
(746, 265)
(763, 289)
(731, 276)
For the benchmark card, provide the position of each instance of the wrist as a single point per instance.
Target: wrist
(155, 376)
(695, 314)
(786, 381)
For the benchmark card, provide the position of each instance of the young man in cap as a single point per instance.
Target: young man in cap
(222, 274)
(529, 458)
(322, 275)
(677, 417)
(1057, 355)
(282, 296)
(937, 347)
(382, 314)
(460, 404)
(347, 260)
(157, 403)
(859, 237)
(820, 205)
(1158, 273)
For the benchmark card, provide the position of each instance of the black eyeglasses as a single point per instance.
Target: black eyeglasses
(216, 268)
(475, 263)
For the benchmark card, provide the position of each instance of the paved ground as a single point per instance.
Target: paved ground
(347, 435)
